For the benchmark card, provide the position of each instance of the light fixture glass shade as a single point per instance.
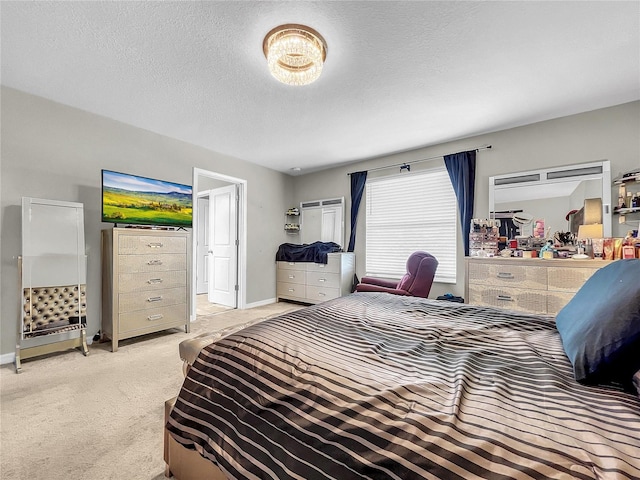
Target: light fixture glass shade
(295, 54)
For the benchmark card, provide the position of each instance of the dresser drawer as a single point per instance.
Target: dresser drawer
(291, 265)
(323, 279)
(332, 265)
(568, 279)
(152, 281)
(153, 319)
(151, 263)
(504, 275)
(557, 300)
(509, 297)
(129, 302)
(144, 244)
(320, 294)
(296, 290)
(291, 276)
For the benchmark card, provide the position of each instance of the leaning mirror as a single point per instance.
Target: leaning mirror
(562, 198)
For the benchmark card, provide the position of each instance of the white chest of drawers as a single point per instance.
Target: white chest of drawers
(315, 282)
(529, 285)
(145, 282)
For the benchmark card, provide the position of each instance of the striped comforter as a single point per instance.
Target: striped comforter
(387, 387)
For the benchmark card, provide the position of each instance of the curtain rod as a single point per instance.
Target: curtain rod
(405, 165)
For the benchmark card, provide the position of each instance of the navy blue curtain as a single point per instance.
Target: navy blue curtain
(358, 180)
(462, 172)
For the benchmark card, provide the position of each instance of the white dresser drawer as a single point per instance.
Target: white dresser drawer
(291, 276)
(508, 275)
(509, 297)
(557, 300)
(321, 294)
(144, 244)
(316, 282)
(129, 302)
(528, 284)
(285, 289)
(151, 263)
(152, 319)
(332, 265)
(150, 281)
(568, 279)
(291, 265)
(323, 279)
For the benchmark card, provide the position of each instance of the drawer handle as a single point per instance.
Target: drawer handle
(154, 299)
(322, 294)
(154, 262)
(292, 289)
(506, 298)
(322, 280)
(292, 276)
(157, 316)
(154, 280)
(291, 263)
(155, 245)
(505, 275)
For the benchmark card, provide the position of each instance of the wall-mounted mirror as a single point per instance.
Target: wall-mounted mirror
(322, 221)
(552, 194)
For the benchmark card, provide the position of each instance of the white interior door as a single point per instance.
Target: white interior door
(202, 249)
(223, 246)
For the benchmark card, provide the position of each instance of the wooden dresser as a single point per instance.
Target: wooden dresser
(315, 282)
(531, 285)
(145, 282)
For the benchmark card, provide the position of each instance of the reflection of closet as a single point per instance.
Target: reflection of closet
(52, 277)
(322, 221)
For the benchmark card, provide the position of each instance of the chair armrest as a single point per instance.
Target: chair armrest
(381, 282)
(365, 287)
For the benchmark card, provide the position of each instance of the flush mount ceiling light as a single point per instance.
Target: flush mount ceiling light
(295, 54)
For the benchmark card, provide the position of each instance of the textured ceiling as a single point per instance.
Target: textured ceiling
(398, 75)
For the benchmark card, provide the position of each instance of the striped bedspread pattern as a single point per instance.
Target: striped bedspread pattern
(388, 387)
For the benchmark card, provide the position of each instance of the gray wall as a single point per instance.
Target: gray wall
(608, 134)
(56, 152)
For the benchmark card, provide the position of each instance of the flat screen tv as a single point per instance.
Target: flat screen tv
(134, 200)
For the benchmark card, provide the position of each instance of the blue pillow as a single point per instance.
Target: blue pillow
(600, 326)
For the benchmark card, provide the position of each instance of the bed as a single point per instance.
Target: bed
(379, 386)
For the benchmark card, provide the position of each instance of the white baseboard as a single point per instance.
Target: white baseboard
(261, 303)
(7, 358)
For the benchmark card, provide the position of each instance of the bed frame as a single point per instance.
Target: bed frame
(182, 463)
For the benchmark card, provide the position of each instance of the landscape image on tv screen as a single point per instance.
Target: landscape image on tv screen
(145, 201)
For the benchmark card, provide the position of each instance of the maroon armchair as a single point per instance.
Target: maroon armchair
(421, 268)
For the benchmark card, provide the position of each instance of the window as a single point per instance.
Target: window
(408, 213)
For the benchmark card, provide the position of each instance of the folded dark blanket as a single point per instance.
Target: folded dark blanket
(315, 252)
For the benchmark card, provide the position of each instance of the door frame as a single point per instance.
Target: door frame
(242, 234)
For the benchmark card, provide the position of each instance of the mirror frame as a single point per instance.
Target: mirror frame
(576, 172)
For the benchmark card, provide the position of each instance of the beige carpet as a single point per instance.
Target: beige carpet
(98, 417)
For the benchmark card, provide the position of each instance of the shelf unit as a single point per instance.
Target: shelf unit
(628, 186)
(292, 220)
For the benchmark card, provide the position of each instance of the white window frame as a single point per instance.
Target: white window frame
(410, 212)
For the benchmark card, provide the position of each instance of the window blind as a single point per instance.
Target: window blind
(408, 213)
